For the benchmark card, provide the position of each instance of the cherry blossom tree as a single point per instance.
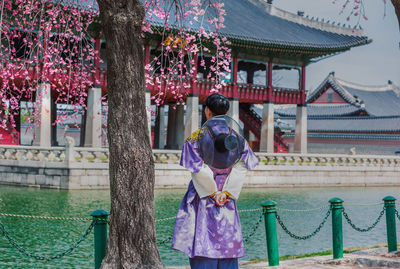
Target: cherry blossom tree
(132, 241)
(356, 9)
(52, 42)
(43, 42)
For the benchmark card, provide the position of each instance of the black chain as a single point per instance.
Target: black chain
(397, 214)
(255, 227)
(22, 250)
(365, 229)
(306, 236)
(166, 242)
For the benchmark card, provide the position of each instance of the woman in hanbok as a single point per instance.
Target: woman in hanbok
(207, 227)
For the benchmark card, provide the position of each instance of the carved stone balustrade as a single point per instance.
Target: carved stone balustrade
(73, 167)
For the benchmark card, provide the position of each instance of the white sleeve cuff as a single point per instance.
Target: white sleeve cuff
(235, 180)
(204, 182)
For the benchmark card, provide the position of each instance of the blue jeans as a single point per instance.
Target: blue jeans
(208, 263)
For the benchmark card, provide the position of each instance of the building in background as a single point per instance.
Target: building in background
(266, 42)
(344, 117)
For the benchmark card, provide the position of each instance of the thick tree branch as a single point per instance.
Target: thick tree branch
(396, 4)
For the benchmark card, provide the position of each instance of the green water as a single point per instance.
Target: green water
(49, 237)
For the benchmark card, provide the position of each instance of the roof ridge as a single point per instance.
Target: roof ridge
(351, 135)
(386, 87)
(324, 105)
(317, 90)
(342, 91)
(321, 25)
(324, 117)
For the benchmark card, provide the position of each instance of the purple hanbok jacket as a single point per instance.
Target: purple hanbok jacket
(203, 229)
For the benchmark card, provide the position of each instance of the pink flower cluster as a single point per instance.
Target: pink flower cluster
(189, 36)
(355, 9)
(44, 42)
(49, 42)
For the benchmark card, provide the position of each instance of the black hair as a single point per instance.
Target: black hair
(217, 103)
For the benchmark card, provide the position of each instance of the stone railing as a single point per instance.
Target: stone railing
(166, 156)
(68, 154)
(31, 153)
(73, 167)
(282, 159)
(290, 159)
(101, 155)
(91, 155)
(73, 154)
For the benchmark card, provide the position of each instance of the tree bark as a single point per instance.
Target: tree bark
(396, 4)
(132, 236)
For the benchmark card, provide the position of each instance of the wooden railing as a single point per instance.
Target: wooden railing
(245, 92)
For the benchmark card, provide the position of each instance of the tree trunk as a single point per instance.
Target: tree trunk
(132, 236)
(396, 4)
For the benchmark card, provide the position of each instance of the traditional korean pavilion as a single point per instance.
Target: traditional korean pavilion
(265, 41)
(343, 115)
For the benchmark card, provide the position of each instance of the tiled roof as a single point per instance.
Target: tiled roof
(378, 100)
(317, 110)
(351, 124)
(261, 24)
(331, 80)
(258, 23)
(381, 104)
(350, 136)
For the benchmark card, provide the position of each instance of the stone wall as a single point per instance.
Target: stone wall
(87, 168)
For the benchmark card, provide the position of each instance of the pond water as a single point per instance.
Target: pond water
(47, 237)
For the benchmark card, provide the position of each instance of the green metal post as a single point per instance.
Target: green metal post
(269, 211)
(337, 229)
(100, 235)
(390, 209)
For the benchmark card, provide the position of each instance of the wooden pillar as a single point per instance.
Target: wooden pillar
(175, 133)
(148, 93)
(267, 124)
(159, 128)
(148, 113)
(267, 128)
(234, 100)
(180, 131)
(171, 130)
(234, 109)
(269, 83)
(17, 122)
(192, 104)
(53, 119)
(300, 137)
(82, 135)
(97, 44)
(192, 114)
(234, 78)
(235, 69)
(93, 118)
(303, 85)
(42, 133)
